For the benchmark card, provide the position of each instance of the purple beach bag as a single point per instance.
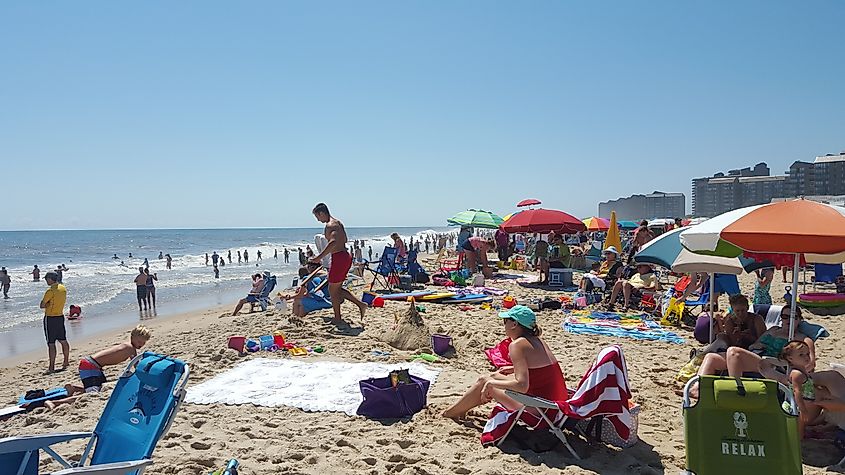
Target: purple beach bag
(383, 401)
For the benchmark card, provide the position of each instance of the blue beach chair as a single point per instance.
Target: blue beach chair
(263, 299)
(724, 283)
(139, 412)
(387, 270)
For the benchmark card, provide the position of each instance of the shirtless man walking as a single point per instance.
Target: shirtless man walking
(341, 262)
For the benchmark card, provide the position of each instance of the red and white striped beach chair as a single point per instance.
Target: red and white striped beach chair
(603, 391)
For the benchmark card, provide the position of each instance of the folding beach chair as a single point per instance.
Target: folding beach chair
(826, 273)
(139, 412)
(264, 296)
(386, 273)
(723, 283)
(747, 430)
(603, 392)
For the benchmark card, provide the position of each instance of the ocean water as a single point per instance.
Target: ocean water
(104, 289)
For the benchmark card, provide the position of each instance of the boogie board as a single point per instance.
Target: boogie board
(468, 298)
(437, 296)
(403, 296)
(49, 394)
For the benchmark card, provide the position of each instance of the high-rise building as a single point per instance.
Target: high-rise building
(736, 189)
(653, 205)
(824, 177)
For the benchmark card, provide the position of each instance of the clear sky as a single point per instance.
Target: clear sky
(229, 114)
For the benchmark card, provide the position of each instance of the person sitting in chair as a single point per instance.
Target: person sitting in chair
(535, 369)
(311, 294)
(608, 271)
(252, 297)
(559, 254)
(643, 280)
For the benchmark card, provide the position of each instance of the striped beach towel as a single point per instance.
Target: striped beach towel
(603, 391)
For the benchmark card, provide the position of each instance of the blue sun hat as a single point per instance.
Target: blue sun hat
(522, 315)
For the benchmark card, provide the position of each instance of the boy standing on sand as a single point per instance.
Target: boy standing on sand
(53, 304)
(341, 262)
(91, 367)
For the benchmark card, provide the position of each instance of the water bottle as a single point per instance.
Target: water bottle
(787, 297)
(231, 468)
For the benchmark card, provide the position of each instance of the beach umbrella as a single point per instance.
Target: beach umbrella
(613, 238)
(628, 225)
(528, 202)
(596, 224)
(477, 218)
(798, 228)
(666, 251)
(542, 221)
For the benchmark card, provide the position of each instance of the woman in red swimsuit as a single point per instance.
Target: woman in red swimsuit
(535, 369)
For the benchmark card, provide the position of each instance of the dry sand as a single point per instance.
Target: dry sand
(288, 440)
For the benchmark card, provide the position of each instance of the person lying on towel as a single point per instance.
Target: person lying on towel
(535, 369)
(91, 367)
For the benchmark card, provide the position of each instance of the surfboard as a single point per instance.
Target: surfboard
(403, 296)
(437, 296)
(55, 393)
(468, 298)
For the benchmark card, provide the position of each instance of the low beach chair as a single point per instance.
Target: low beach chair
(263, 299)
(745, 431)
(386, 273)
(139, 412)
(826, 273)
(603, 392)
(724, 283)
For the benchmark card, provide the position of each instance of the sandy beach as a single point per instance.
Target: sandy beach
(287, 440)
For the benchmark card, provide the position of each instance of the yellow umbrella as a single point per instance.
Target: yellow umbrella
(613, 238)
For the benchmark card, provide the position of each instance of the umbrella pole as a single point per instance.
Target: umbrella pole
(794, 302)
(712, 296)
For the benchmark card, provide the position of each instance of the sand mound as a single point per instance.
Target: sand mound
(410, 331)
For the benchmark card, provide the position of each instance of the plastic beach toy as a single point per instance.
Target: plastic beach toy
(508, 302)
(425, 357)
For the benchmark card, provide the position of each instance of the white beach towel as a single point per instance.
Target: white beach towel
(318, 386)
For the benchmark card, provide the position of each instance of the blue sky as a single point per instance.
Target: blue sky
(222, 114)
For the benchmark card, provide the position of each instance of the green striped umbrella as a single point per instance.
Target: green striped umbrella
(477, 218)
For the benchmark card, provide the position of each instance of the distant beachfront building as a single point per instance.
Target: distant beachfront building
(653, 205)
(824, 177)
(738, 188)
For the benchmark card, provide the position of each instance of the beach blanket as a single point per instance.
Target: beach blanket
(603, 391)
(614, 324)
(318, 386)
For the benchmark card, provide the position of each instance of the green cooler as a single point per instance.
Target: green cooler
(730, 433)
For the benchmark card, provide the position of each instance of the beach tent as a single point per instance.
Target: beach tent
(543, 221)
(613, 238)
(798, 229)
(476, 218)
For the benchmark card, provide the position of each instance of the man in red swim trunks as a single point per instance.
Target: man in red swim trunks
(341, 262)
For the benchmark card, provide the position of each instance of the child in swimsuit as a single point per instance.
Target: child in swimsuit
(813, 390)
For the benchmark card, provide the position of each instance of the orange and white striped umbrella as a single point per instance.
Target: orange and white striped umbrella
(814, 230)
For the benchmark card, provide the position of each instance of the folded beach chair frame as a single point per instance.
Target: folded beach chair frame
(541, 405)
(123, 432)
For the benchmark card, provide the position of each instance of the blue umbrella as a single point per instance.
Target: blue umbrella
(662, 250)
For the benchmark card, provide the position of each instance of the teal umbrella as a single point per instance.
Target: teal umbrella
(477, 218)
(628, 225)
